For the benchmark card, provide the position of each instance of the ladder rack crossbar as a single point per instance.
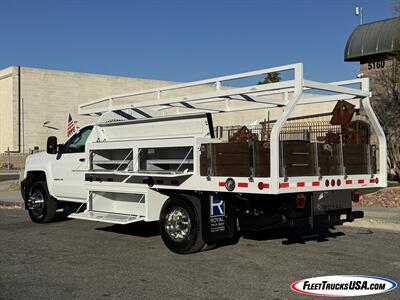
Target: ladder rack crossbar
(194, 83)
(212, 96)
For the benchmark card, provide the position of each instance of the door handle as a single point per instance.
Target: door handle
(82, 159)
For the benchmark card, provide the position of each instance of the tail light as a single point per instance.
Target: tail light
(230, 184)
(356, 196)
(260, 185)
(300, 200)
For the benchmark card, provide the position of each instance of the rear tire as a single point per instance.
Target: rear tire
(42, 206)
(180, 224)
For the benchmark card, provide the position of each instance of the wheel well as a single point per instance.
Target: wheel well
(31, 177)
(36, 176)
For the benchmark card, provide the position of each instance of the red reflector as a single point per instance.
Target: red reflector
(284, 184)
(349, 181)
(315, 183)
(377, 180)
(327, 182)
(338, 182)
(243, 184)
(301, 183)
(360, 181)
(372, 180)
(300, 200)
(260, 185)
(221, 183)
(356, 196)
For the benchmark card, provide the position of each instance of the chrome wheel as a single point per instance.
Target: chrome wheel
(36, 202)
(177, 224)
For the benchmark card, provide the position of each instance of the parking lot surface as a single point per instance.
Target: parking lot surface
(72, 259)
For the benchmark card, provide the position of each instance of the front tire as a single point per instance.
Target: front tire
(42, 206)
(180, 224)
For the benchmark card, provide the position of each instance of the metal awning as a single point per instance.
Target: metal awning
(372, 39)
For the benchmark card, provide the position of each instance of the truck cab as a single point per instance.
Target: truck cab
(60, 169)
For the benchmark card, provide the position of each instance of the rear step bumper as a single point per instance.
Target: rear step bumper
(337, 217)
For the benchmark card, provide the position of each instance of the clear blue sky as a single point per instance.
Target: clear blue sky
(182, 40)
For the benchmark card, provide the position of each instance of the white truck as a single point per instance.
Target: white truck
(153, 156)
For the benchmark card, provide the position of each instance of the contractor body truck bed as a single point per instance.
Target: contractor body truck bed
(153, 155)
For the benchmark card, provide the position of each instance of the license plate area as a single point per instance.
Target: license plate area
(331, 200)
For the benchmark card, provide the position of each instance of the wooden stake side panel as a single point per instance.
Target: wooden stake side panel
(299, 158)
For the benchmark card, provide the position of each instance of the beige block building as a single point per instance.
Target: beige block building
(35, 103)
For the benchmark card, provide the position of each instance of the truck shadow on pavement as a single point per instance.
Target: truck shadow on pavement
(295, 236)
(288, 236)
(140, 229)
(63, 213)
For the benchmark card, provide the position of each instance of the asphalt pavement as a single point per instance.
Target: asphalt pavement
(10, 198)
(75, 259)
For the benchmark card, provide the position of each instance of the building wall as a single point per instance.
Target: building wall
(373, 66)
(49, 95)
(8, 115)
(383, 71)
(378, 69)
(254, 117)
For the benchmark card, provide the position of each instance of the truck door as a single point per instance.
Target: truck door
(67, 167)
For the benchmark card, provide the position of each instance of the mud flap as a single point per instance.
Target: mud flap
(218, 218)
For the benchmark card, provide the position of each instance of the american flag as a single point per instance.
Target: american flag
(70, 126)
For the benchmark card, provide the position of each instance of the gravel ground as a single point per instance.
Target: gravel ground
(387, 197)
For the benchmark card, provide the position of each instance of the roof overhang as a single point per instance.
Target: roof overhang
(372, 39)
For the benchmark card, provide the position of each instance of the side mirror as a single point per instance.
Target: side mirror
(51, 145)
(60, 148)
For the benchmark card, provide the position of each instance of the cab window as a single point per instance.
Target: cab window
(77, 142)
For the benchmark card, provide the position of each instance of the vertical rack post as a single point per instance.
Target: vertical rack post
(276, 129)
(379, 132)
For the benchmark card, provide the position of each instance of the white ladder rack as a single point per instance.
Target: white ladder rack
(286, 94)
(221, 99)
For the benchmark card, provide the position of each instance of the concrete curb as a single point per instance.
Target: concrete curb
(378, 218)
(11, 204)
(374, 224)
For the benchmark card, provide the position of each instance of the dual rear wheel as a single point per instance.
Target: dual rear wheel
(180, 224)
